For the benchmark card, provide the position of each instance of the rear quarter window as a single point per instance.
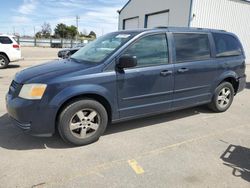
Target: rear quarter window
(5, 40)
(226, 45)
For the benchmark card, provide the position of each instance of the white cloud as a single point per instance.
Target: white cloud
(27, 7)
(99, 16)
(20, 19)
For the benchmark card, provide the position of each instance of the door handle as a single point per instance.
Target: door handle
(182, 70)
(166, 72)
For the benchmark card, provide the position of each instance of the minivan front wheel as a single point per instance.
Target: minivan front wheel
(82, 122)
(223, 97)
(3, 61)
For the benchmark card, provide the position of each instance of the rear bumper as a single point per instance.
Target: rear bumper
(15, 55)
(242, 83)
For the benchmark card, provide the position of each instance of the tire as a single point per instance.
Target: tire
(82, 122)
(4, 61)
(223, 97)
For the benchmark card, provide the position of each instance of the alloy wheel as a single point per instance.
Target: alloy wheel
(2, 62)
(224, 97)
(84, 123)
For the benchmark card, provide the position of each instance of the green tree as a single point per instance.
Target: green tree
(92, 34)
(72, 31)
(64, 31)
(39, 34)
(61, 31)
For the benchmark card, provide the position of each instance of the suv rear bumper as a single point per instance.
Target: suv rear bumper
(15, 55)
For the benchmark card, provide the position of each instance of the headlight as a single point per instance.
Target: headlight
(32, 91)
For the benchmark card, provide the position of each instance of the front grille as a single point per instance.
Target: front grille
(14, 88)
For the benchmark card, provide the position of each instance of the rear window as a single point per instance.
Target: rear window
(191, 47)
(226, 45)
(5, 40)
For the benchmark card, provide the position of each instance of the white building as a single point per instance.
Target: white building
(230, 15)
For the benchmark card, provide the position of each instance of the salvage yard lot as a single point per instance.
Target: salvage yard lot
(188, 148)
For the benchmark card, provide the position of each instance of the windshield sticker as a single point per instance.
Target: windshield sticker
(122, 36)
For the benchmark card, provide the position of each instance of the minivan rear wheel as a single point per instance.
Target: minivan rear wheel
(82, 122)
(3, 61)
(223, 97)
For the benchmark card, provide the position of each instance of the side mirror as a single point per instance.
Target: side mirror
(127, 61)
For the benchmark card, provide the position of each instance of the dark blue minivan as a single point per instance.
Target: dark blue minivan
(125, 75)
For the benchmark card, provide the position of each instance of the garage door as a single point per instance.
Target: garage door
(132, 23)
(157, 19)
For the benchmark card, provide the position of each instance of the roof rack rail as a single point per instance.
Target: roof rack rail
(161, 27)
(199, 28)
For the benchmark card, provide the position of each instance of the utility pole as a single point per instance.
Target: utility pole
(34, 31)
(14, 30)
(77, 19)
(23, 32)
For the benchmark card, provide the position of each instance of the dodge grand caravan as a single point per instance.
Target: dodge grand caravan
(125, 75)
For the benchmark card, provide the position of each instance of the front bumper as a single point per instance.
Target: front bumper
(31, 116)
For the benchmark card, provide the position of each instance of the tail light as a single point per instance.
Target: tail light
(16, 46)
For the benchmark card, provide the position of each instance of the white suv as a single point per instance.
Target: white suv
(9, 50)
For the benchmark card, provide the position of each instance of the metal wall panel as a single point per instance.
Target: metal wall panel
(178, 11)
(156, 20)
(132, 23)
(230, 15)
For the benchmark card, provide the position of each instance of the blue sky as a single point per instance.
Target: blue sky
(24, 16)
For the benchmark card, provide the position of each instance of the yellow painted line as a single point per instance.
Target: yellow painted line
(135, 166)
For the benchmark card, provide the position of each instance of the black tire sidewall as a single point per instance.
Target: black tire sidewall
(70, 110)
(217, 92)
(5, 60)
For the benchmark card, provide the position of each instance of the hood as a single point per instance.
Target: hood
(53, 69)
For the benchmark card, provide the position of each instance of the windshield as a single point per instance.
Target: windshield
(101, 48)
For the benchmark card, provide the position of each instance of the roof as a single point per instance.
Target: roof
(124, 6)
(4, 35)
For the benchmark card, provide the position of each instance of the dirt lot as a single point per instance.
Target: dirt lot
(188, 148)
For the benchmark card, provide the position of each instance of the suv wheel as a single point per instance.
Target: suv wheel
(222, 98)
(3, 61)
(82, 122)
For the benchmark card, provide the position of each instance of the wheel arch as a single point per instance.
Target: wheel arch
(93, 96)
(231, 77)
(3, 53)
(234, 83)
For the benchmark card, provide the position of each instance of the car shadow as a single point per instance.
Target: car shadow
(156, 119)
(238, 158)
(248, 85)
(13, 138)
(12, 66)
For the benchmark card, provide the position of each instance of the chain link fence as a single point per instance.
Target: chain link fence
(53, 43)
